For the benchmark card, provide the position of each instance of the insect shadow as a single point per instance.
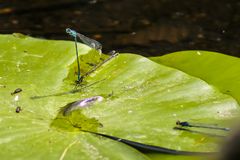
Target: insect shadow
(73, 91)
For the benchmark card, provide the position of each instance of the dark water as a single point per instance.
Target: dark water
(147, 27)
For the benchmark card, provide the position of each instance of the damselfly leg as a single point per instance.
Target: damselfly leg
(74, 35)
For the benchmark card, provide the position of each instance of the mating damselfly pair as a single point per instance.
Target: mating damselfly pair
(91, 43)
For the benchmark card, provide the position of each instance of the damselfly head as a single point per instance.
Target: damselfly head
(71, 32)
(178, 122)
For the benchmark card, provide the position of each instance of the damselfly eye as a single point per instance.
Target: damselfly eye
(178, 122)
(68, 30)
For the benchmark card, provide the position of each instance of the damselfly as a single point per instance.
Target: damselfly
(113, 54)
(88, 41)
(199, 132)
(201, 125)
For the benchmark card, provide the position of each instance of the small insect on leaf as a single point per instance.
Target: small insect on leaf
(88, 41)
(18, 90)
(199, 125)
(18, 109)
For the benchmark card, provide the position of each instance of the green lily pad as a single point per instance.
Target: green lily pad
(142, 102)
(217, 69)
(150, 98)
(39, 67)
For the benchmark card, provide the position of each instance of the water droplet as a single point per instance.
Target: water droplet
(130, 111)
(16, 98)
(199, 53)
